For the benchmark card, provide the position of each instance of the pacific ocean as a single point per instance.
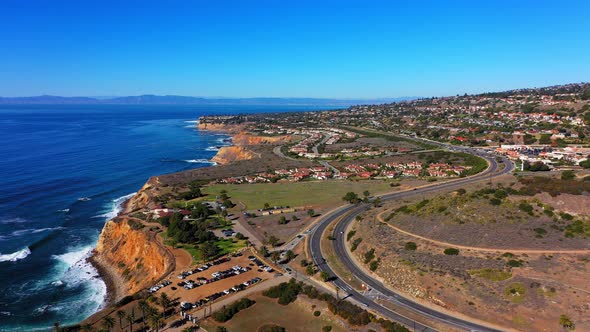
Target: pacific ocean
(64, 171)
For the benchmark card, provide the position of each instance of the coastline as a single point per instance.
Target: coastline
(112, 280)
(115, 284)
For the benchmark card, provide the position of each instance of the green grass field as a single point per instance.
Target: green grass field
(316, 193)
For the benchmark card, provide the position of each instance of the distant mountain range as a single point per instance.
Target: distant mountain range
(184, 100)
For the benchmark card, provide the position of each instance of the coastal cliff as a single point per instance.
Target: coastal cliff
(131, 257)
(230, 154)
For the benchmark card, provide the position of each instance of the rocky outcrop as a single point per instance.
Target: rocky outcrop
(132, 256)
(230, 154)
(218, 127)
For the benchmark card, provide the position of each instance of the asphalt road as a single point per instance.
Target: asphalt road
(349, 213)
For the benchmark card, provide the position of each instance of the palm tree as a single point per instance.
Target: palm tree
(121, 314)
(155, 322)
(130, 319)
(108, 322)
(143, 306)
(86, 328)
(165, 302)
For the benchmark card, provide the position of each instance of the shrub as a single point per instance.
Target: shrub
(350, 235)
(514, 263)
(526, 207)
(369, 255)
(410, 246)
(540, 231)
(271, 328)
(374, 265)
(317, 313)
(451, 251)
(229, 311)
(327, 328)
(568, 175)
(495, 201)
(286, 292)
(356, 243)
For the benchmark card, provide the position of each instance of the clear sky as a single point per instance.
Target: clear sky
(299, 48)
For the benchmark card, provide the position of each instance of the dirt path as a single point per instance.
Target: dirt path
(482, 249)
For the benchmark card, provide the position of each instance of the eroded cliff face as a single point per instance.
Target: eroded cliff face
(219, 127)
(145, 197)
(229, 154)
(133, 254)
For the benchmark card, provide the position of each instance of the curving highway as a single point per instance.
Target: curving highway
(348, 213)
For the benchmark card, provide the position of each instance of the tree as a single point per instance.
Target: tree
(209, 250)
(351, 197)
(273, 240)
(263, 251)
(155, 322)
(366, 193)
(86, 328)
(566, 322)
(585, 163)
(275, 256)
(108, 322)
(282, 220)
(324, 276)
(290, 254)
(130, 319)
(221, 329)
(310, 270)
(165, 302)
(144, 307)
(311, 212)
(121, 314)
(377, 202)
(266, 206)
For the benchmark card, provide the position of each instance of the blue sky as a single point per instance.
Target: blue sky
(340, 49)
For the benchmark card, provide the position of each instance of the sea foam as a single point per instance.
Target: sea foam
(15, 256)
(116, 205)
(201, 161)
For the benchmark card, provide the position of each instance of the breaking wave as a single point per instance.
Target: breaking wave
(116, 205)
(15, 256)
(201, 161)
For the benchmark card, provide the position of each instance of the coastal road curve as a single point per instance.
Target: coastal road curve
(348, 213)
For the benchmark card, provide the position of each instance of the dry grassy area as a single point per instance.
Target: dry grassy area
(296, 316)
(522, 290)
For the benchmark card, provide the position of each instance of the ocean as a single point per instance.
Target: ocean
(64, 171)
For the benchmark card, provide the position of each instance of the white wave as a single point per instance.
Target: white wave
(212, 148)
(201, 161)
(84, 199)
(13, 221)
(191, 121)
(225, 140)
(15, 256)
(76, 271)
(46, 229)
(34, 230)
(115, 206)
(64, 210)
(6, 313)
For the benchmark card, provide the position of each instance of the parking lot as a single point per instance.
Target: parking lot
(214, 282)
